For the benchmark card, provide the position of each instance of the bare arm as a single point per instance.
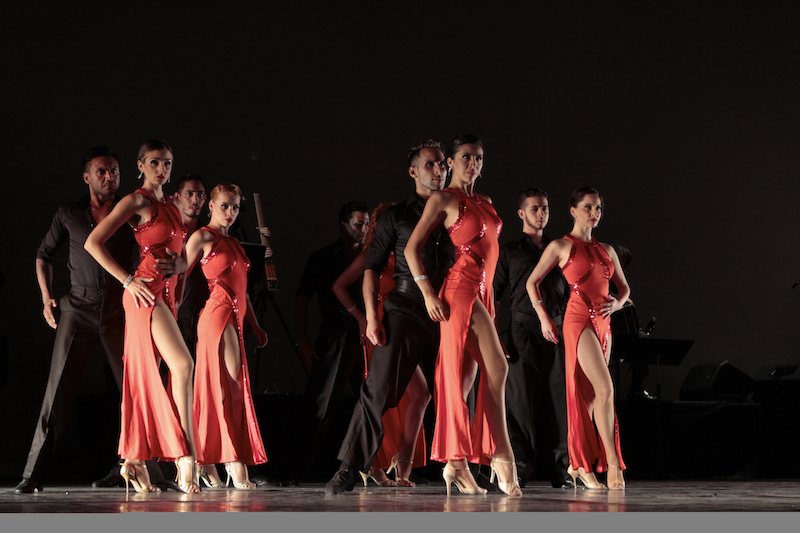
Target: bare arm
(350, 276)
(369, 288)
(126, 209)
(550, 258)
(433, 215)
(44, 275)
(624, 290)
(258, 331)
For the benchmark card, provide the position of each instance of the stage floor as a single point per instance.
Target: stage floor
(640, 496)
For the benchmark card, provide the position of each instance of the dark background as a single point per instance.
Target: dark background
(683, 114)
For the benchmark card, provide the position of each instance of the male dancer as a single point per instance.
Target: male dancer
(407, 336)
(91, 312)
(535, 388)
(335, 357)
(190, 197)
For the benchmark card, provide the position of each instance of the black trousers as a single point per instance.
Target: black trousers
(340, 361)
(88, 316)
(536, 399)
(411, 339)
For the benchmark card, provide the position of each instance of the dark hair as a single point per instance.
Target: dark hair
(529, 193)
(413, 155)
(151, 145)
(347, 210)
(458, 140)
(579, 193)
(373, 221)
(188, 177)
(226, 187)
(97, 151)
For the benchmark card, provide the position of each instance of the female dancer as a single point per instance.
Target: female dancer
(155, 422)
(227, 429)
(469, 339)
(403, 446)
(587, 265)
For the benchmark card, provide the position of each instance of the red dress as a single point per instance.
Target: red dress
(225, 418)
(587, 271)
(475, 238)
(150, 423)
(393, 420)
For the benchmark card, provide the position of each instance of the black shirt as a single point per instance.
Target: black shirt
(74, 222)
(391, 235)
(514, 266)
(322, 269)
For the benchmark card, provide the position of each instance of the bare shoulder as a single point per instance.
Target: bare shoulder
(485, 198)
(560, 244)
(201, 236)
(443, 198)
(610, 250)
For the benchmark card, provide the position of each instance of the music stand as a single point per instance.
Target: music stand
(255, 253)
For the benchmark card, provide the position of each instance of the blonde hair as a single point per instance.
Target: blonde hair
(229, 188)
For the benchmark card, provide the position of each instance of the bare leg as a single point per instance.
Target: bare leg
(593, 363)
(418, 397)
(170, 344)
(494, 369)
(231, 355)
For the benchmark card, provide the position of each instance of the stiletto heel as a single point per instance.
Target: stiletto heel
(206, 478)
(127, 471)
(190, 485)
(386, 482)
(239, 484)
(450, 475)
(619, 482)
(588, 482)
(394, 465)
(509, 487)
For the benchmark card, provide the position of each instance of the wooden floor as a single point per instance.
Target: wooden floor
(640, 496)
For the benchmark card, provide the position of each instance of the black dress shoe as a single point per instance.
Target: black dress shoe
(562, 483)
(263, 481)
(112, 479)
(165, 484)
(484, 482)
(418, 480)
(343, 480)
(28, 486)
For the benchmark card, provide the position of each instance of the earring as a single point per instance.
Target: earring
(140, 176)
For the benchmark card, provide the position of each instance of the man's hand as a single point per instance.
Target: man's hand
(173, 264)
(48, 314)
(375, 332)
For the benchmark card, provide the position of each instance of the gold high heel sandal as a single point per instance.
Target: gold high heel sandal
(127, 471)
(386, 482)
(588, 482)
(509, 487)
(188, 486)
(450, 475)
(242, 485)
(402, 481)
(205, 477)
(619, 482)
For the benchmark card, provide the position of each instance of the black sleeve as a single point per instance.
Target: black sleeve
(311, 273)
(57, 235)
(383, 242)
(501, 274)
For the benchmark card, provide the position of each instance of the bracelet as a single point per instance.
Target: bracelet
(420, 278)
(127, 282)
(537, 302)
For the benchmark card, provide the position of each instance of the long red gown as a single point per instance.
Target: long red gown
(150, 423)
(475, 237)
(393, 420)
(587, 271)
(225, 418)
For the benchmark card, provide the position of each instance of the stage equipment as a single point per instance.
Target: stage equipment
(717, 381)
